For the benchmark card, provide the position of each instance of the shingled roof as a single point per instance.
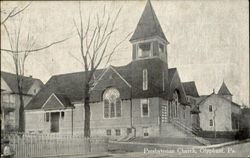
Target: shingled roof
(190, 88)
(70, 86)
(224, 90)
(171, 73)
(148, 25)
(213, 94)
(11, 81)
(66, 85)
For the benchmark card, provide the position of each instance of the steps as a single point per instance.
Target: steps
(170, 130)
(184, 128)
(176, 129)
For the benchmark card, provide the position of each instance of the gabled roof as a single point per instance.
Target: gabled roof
(69, 87)
(195, 110)
(116, 72)
(176, 84)
(213, 94)
(66, 85)
(224, 90)
(171, 73)
(190, 88)
(148, 25)
(11, 81)
(57, 101)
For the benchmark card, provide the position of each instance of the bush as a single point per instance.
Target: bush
(242, 134)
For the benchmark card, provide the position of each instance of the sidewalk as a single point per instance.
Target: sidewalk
(91, 155)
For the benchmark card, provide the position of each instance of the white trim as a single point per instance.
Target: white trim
(57, 110)
(141, 102)
(150, 57)
(49, 99)
(96, 82)
(121, 77)
(150, 39)
(172, 78)
(110, 67)
(34, 111)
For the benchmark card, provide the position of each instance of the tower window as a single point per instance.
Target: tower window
(145, 79)
(144, 50)
(161, 48)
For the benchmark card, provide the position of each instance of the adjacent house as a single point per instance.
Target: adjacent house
(10, 101)
(219, 112)
(144, 98)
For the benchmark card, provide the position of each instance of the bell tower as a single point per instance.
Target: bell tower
(148, 39)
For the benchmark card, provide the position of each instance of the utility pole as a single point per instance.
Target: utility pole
(214, 122)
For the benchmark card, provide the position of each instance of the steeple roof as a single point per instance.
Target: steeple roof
(224, 90)
(148, 25)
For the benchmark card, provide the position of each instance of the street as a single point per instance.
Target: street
(238, 150)
(234, 151)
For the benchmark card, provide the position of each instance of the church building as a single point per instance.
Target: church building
(141, 99)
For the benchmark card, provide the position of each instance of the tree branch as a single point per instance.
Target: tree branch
(34, 50)
(12, 13)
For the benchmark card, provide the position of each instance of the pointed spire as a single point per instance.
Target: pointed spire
(224, 90)
(148, 25)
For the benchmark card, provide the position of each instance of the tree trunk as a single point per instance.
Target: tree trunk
(87, 112)
(21, 112)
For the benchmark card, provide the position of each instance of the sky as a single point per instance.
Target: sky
(209, 40)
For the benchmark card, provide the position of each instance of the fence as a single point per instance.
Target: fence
(219, 134)
(42, 145)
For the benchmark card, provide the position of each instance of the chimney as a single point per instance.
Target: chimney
(213, 91)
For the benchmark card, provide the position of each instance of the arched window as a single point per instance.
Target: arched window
(112, 103)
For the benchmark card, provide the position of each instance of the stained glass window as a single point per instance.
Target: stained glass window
(112, 103)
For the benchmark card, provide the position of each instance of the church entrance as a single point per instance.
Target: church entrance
(54, 122)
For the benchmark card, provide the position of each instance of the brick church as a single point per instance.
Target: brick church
(142, 99)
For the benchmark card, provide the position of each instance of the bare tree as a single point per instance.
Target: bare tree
(94, 42)
(15, 11)
(20, 49)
